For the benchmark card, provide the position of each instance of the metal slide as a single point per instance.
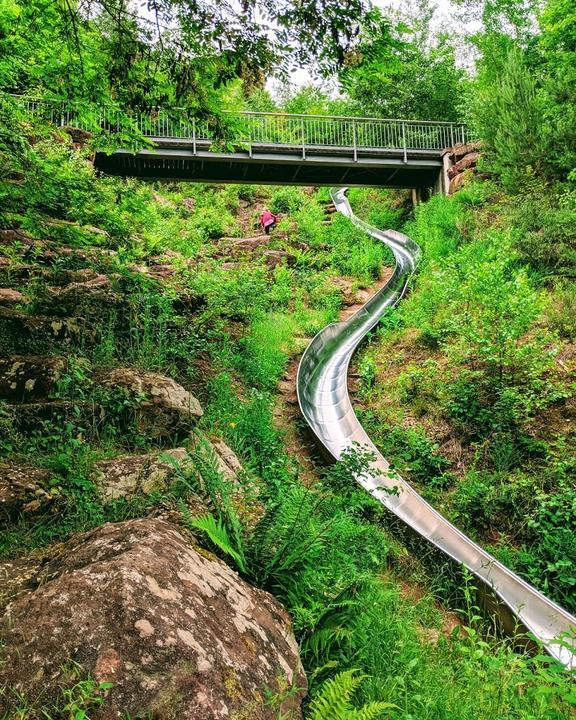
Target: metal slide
(325, 404)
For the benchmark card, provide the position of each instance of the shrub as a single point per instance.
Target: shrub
(286, 200)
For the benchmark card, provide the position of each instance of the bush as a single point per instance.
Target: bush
(286, 200)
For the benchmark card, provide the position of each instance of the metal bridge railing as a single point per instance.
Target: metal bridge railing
(305, 132)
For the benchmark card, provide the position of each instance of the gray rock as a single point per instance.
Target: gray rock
(164, 408)
(129, 475)
(178, 633)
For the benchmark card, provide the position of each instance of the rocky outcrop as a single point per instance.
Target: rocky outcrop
(239, 246)
(228, 464)
(79, 137)
(22, 331)
(23, 489)
(460, 163)
(85, 297)
(33, 417)
(177, 632)
(28, 377)
(10, 297)
(130, 475)
(279, 257)
(460, 150)
(468, 161)
(164, 408)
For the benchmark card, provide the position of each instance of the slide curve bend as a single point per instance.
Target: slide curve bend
(325, 404)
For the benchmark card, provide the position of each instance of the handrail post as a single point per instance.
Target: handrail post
(194, 152)
(404, 142)
(354, 140)
(463, 135)
(303, 139)
(451, 134)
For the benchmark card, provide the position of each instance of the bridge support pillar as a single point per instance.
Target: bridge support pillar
(446, 165)
(420, 195)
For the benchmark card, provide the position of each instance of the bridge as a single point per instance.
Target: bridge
(267, 148)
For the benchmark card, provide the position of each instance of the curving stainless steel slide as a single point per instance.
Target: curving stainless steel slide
(325, 404)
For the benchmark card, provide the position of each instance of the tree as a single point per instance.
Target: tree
(183, 52)
(403, 71)
(508, 117)
(557, 43)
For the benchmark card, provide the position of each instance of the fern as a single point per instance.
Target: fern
(334, 700)
(216, 530)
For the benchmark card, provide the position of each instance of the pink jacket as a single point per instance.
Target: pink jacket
(267, 218)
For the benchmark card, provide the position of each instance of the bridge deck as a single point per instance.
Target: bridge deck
(265, 163)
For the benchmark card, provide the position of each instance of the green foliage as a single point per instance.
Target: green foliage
(286, 200)
(79, 698)
(411, 450)
(218, 534)
(481, 307)
(509, 119)
(401, 71)
(333, 700)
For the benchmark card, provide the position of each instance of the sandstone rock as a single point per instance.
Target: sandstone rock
(23, 489)
(178, 633)
(28, 417)
(81, 298)
(15, 237)
(248, 244)
(164, 409)
(129, 475)
(10, 297)
(468, 161)
(279, 257)
(79, 136)
(96, 231)
(461, 149)
(346, 287)
(189, 204)
(223, 457)
(229, 465)
(458, 182)
(14, 274)
(25, 377)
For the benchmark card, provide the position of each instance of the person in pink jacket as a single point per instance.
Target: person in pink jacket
(268, 220)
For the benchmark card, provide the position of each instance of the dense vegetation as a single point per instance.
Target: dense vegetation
(468, 387)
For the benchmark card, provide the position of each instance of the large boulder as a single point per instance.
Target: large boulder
(163, 407)
(27, 377)
(459, 181)
(279, 257)
(178, 633)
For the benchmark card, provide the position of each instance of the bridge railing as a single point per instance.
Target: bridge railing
(305, 132)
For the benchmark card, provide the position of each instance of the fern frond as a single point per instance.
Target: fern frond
(371, 711)
(218, 534)
(333, 701)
